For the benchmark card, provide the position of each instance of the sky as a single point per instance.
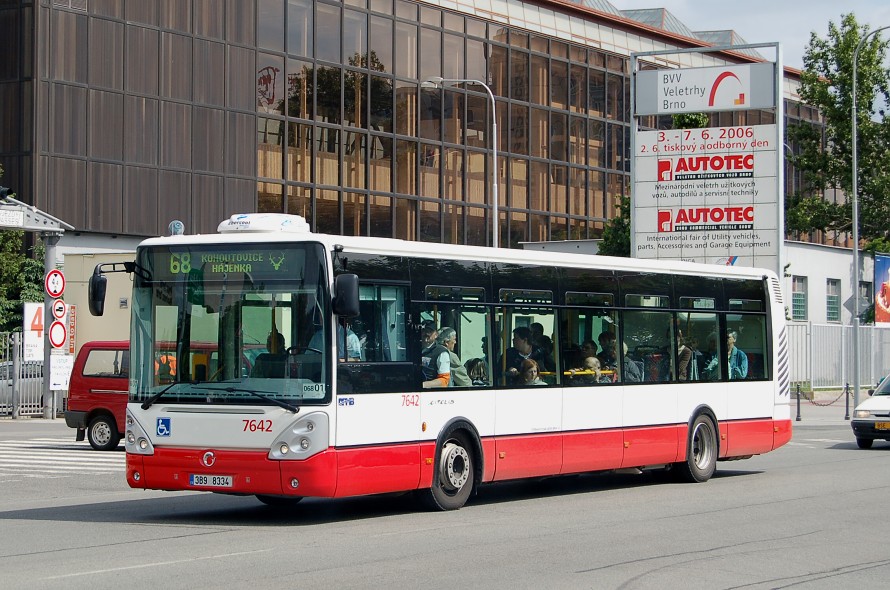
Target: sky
(789, 22)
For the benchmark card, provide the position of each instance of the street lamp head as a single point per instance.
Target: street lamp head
(433, 81)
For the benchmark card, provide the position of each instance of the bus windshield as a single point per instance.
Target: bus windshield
(231, 324)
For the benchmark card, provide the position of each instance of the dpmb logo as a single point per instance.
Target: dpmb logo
(706, 167)
(705, 219)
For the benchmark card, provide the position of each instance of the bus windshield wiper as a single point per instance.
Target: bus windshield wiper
(254, 393)
(148, 403)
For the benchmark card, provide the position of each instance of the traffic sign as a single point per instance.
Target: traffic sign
(59, 309)
(54, 283)
(58, 334)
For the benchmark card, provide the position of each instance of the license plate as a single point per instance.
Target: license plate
(210, 481)
(882, 425)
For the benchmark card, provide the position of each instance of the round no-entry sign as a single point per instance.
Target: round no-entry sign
(54, 283)
(58, 334)
(59, 309)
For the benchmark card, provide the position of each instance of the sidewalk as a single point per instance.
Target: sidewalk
(828, 407)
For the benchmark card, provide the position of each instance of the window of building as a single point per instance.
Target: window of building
(833, 300)
(799, 299)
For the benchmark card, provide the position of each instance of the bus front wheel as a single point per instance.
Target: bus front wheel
(701, 451)
(453, 478)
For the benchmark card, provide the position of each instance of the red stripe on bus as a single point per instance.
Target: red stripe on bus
(372, 470)
(749, 437)
(781, 433)
(397, 467)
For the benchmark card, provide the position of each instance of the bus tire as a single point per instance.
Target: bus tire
(102, 433)
(453, 477)
(278, 501)
(701, 451)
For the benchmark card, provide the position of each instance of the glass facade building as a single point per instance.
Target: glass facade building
(121, 115)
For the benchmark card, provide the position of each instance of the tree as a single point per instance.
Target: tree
(616, 233)
(21, 277)
(825, 155)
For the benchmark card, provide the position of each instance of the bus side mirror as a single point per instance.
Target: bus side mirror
(98, 285)
(345, 301)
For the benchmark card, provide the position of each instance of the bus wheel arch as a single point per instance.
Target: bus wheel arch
(702, 447)
(457, 467)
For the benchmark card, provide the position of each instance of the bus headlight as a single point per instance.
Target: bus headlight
(137, 440)
(303, 438)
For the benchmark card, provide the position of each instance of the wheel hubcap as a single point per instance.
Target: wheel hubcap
(701, 446)
(101, 433)
(454, 466)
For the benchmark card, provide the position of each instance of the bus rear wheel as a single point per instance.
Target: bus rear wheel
(453, 478)
(701, 452)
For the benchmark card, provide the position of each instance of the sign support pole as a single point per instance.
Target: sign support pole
(50, 239)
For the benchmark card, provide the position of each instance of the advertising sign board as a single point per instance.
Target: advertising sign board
(707, 195)
(882, 288)
(701, 90)
(32, 331)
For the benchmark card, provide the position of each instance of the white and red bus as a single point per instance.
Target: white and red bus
(334, 404)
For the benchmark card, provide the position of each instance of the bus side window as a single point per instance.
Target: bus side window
(649, 339)
(381, 329)
(750, 331)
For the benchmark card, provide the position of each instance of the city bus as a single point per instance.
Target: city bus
(695, 362)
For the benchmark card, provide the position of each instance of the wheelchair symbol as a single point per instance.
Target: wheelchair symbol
(163, 427)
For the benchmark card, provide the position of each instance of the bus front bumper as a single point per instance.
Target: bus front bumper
(232, 472)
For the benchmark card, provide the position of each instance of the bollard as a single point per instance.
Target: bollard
(847, 400)
(798, 402)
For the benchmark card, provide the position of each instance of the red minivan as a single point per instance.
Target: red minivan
(99, 385)
(97, 393)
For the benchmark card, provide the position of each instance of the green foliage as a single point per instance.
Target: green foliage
(825, 153)
(690, 120)
(616, 233)
(21, 278)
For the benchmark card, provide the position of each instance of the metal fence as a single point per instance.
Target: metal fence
(21, 383)
(822, 354)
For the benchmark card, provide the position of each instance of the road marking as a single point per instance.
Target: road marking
(56, 457)
(157, 564)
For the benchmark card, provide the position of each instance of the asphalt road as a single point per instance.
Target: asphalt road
(811, 516)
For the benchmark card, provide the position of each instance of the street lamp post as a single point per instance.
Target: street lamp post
(856, 223)
(438, 81)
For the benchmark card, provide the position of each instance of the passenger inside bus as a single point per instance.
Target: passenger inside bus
(529, 373)
(459, 377)
(477, 372)
(684, 358)
(736, 359)
(522, 350)
(608, 357)
(272, 363)
(435, 362)
(589, 373)
(346, 340)
(633, 370)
